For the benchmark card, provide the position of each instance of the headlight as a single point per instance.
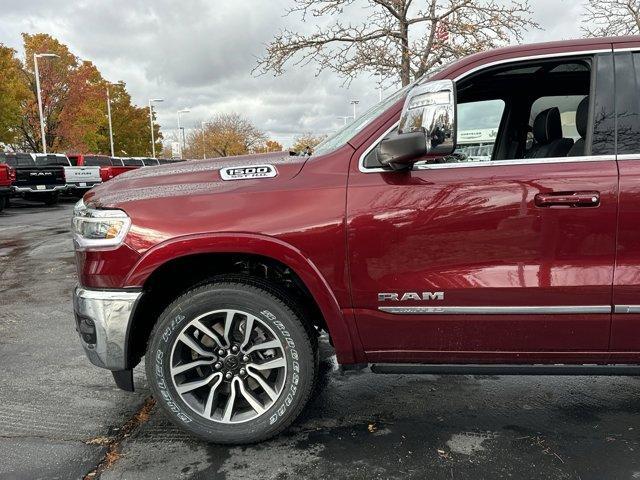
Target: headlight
(98, 228)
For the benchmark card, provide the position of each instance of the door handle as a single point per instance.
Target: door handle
(568, 199)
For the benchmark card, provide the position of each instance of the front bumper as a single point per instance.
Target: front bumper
(102, 321)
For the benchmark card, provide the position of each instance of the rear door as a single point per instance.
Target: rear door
(625, 332)
(462, 262)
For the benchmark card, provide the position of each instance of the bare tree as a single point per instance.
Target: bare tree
(225, 135)
(397, 39)
(604, 18)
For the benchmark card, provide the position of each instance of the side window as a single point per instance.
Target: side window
(477, 130)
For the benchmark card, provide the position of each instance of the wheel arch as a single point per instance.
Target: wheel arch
(189, 253)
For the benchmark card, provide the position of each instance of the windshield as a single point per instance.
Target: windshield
(346, 133)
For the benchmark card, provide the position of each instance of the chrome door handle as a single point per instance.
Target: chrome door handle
(568, 199)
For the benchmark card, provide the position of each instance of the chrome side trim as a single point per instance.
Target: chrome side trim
(523, 161)
(553, 310)
(361, 166)
(629, 156)
(626, 309)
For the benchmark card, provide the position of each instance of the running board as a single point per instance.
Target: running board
(505, 369)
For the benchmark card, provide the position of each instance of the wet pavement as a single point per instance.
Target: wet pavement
(62, 418)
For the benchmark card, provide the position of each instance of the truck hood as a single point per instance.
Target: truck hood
(194, 177)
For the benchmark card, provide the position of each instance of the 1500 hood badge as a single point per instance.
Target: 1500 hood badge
(397, 297)
(248, 172)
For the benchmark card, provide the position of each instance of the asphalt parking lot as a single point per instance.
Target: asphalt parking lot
(62, 418)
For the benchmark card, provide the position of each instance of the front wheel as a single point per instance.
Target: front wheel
(232, 362)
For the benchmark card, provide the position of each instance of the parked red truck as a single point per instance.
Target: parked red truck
(416, 253)
(7, 177)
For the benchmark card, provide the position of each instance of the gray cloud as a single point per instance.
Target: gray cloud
(200, 54)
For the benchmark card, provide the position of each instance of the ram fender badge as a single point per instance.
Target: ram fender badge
(396, 297)
(248, 172)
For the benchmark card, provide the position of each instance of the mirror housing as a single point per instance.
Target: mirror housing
(429, 112)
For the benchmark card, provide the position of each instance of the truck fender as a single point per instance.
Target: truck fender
(265, 246)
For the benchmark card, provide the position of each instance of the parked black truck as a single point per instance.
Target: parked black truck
(35, 182)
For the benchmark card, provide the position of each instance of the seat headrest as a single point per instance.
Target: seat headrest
(582, 117)
(547, 126)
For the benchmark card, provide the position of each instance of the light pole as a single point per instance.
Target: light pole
(184, 110)
(110, 124)
(204, 145)
(380, 88)
(354, 103)
(344, 118)
(36, 56)
(153, 140)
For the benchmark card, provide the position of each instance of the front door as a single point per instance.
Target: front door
(478, 260)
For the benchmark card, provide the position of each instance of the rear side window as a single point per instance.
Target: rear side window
(95, 161)
(52, 160)
(149, 162)
(132, 162)
(116, 162)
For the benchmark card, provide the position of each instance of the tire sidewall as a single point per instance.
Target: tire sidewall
(283, 323)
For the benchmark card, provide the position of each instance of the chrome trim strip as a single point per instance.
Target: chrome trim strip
(629, 156)
(626, 49)
(131, 296)
(34, 190)
(555, 310)
(626, 309)
(522, 161)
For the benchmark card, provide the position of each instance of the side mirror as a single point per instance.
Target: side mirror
(427, 127)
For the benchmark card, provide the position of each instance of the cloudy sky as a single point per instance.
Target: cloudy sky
(199, 54)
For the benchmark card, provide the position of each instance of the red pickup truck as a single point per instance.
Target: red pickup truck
(7, 177)
(482, 220)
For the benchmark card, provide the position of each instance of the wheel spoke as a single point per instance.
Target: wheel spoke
(265, 346)
(228, 409)
(212, 393)
(261, 381)
(228, 323)
(255, 404)
(207, 331)
(188, 366)
(276, 363)
(248, 326)
(191, 343)
(189, 386)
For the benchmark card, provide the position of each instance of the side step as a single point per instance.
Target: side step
(505, 369)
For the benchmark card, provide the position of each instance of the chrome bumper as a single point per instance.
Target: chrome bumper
(56, 188)
(102, 321)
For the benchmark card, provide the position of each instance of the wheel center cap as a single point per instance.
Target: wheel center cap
(231, 362)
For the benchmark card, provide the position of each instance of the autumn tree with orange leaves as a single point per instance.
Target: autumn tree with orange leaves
(74, 104)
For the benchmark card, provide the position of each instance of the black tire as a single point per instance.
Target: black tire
(3, 202)
(271, 306)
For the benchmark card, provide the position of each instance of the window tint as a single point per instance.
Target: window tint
(628, 102)
(58, 160)
(132, 162)
(603, 116)
(96, 161)
(150, 162)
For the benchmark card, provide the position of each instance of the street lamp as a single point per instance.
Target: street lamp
(344, 118)
(184, 110)
(204, 151)
(36, 56)
(354, 103)
(153, 140)
(380, 87)
(110, 124)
